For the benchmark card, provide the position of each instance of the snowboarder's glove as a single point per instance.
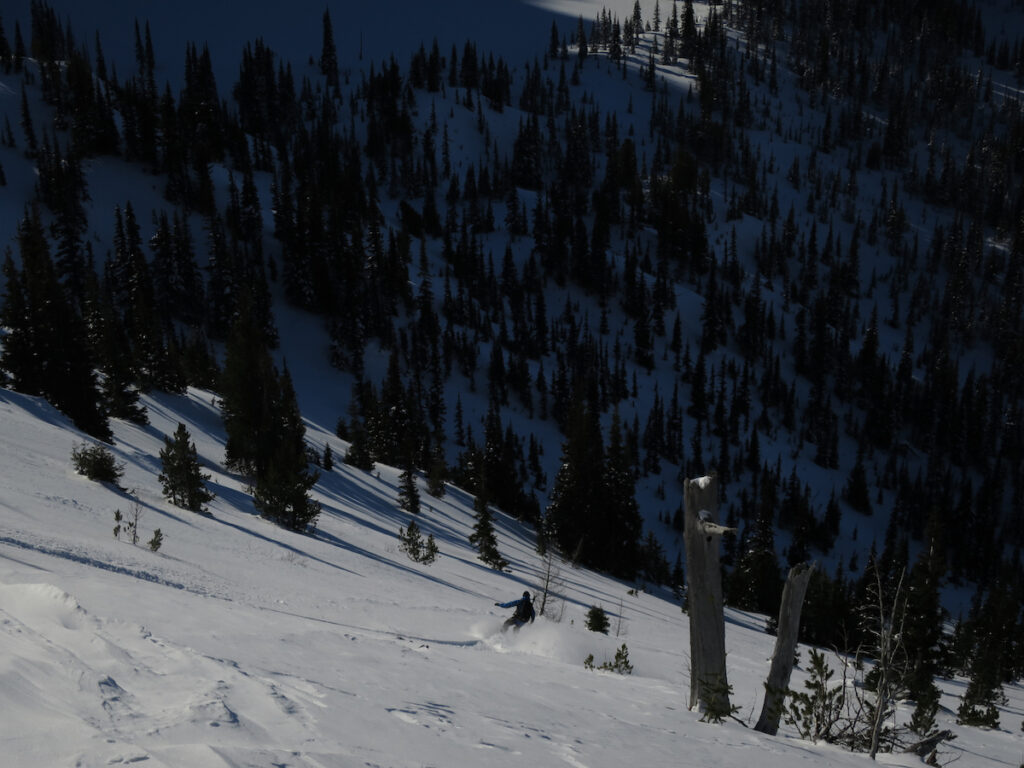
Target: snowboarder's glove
(498, 604)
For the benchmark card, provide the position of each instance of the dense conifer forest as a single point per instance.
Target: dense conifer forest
(780, 242)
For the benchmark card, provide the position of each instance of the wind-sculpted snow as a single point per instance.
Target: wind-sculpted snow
(131, 695)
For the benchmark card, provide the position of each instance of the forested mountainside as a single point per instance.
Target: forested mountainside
(778, 242)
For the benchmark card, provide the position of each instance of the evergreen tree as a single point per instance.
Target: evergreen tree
(575, 503)
(856, 491)
(620, 529)
(688, 31)
(436, 470)
(408, 493)
(390, 425)
(978, 705)
(992, 654)
(411, 541)
(130, 282)
(182, 480)
(178, 290)
(31, 141)
(19, 49)
(922, 720)
(19, 366)
(816, 710)
(249, 394)
(281, 492)
(46, 350)
(5, 51)
(430, 550)
(109, 344)
(483, 536)
(597, 620)
(329, 54)
(922, 635)
(358, 454)
(756, 582)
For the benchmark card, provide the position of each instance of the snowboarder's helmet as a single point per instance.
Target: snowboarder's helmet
(526, 595)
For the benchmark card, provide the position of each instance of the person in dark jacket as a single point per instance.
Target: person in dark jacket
(524, 612)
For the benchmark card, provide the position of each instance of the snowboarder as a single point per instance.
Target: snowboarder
(524, 612)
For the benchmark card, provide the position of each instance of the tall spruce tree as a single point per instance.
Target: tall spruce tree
(620, 530)
(483, 536)
(575, 502)
(46, 351)
(992, 652)
(408, 493)
(329, 53)
(922, 636)
(389, 422)
(756, 582)
(109, 342)
(358, 454)
(130, 282)
(980, 700)
(249, 393)
(19, 365)
(181, 477)
(281, 491)
(592, 513)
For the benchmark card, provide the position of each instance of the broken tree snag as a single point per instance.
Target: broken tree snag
(709, 686)
(785, 645)
(927, 746)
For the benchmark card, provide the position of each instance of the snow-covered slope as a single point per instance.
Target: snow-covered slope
(241, 644)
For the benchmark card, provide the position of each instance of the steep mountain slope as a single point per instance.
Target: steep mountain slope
(773, 250)
(774, 288)
(239, 643)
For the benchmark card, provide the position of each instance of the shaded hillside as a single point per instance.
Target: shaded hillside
(779, 244)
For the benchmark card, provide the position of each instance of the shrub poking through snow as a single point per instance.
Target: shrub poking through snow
(620, 665)
(96, 463)
(411, 542)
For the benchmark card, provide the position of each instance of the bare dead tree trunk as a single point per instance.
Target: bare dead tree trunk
(785, 645)
(890, 655)
(709, 684)
(551, 583)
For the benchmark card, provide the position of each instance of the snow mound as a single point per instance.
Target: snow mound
(41, 605)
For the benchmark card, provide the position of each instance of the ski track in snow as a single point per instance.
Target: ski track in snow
(85, 559)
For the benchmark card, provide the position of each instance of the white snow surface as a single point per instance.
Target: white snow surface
(241, 644)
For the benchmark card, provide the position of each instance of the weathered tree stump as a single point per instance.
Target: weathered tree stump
(709, 685)
(785, 645)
